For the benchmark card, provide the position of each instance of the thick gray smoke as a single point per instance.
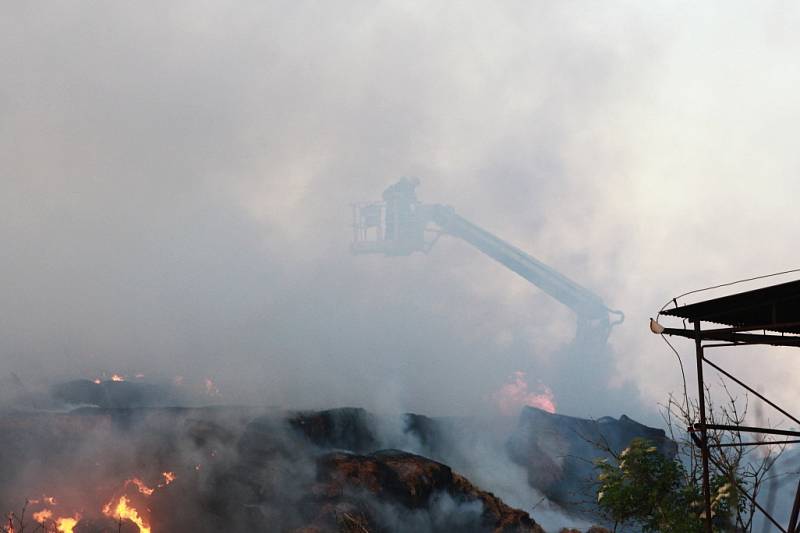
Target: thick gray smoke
(176, 186)
(239, 469)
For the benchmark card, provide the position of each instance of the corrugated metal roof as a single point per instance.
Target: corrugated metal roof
(775, 308)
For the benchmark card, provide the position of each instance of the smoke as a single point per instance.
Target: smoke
(478, 449)
(240, 468)
(176, 189)
(514, 395)
(444, 514)
(88, 460)
(177, 201)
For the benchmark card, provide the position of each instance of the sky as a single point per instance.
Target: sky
(177, 183)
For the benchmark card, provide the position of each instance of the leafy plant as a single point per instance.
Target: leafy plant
(643, 487)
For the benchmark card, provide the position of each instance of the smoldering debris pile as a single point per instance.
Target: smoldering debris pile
(115, 391)
(556, 451)
(330, 471)
(244, 469)
(117, 394)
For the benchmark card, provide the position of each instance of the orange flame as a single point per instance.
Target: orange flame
(117, 377)
(96, 380)
(118, 509)
(140, 486)
(211, 388)
(67, 524)
(43, 515)
(123, 511)
(514, 395)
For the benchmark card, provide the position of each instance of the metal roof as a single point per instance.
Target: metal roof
(774, 308)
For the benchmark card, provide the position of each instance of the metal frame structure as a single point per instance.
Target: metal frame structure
(768, 316)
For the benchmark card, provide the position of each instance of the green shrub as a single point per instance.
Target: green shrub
(642, 487)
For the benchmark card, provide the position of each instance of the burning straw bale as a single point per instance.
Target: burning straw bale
(348, 428)
(414, 482)
(557, 451)
(242, 469)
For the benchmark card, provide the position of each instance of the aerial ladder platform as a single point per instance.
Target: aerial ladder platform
(401, 225)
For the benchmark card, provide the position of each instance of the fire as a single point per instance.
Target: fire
(140, 486)
(123, 511)
(117, 377)
(67, 524)
(515, 395)
(43, 515)
(64, 524)
(211, 388)
(118, 508)
(96, 380)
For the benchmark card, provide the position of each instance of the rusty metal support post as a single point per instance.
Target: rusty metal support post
(703, 434)
(795, 511)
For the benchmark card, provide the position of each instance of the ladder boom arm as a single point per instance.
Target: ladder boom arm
(582, 301)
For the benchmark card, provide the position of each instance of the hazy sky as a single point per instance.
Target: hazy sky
(176, 181)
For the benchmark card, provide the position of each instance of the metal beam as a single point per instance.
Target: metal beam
(756, 443)
(753, 391)
(743, 490)
(738, 338)
(773, 326)
(703, 436)
(745, 429)
(795, 510)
